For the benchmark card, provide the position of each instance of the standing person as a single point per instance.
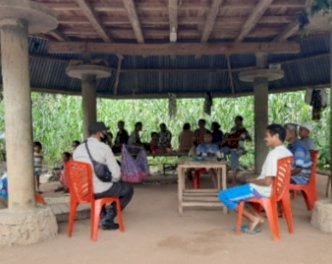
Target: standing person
(200, 132)
(305, 140)
(186, 138)
(66, 156)
(217, 134)
(121, 138)
(135, 138)
(165, 138)
(302, 161)
(102, 153)
(37, 162)
(261, 186)
(233, 144)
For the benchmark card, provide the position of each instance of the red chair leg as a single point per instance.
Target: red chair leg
(71, 217)
(119, 215)
(95, 217)
(272, 217)
(288, 214)
(239, 218)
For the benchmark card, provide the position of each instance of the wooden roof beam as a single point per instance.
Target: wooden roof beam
(173, 19)
(211, 19)
(133, 18)
(253, 19)
(58, 35)
(167, 49)
(293, 27)
(91, 15)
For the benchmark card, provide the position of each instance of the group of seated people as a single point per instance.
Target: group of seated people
(299, 146)
(189, 141)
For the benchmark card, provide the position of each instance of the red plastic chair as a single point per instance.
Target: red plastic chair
(197, 176)
(79, 176)
(280, 194)
(39, 199)
(309, 191)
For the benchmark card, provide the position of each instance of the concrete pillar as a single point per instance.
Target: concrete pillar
(18, 120)
(89, 102)
(260, 78)
(261, 120)
(88, 74)
(21, 223)
(329, 188)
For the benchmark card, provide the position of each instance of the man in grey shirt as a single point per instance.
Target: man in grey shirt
(102, 153)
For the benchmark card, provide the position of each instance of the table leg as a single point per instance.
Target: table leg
(224, 184)
(181, 182)
(219, 179)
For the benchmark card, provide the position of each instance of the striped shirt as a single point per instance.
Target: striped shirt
(302, 160)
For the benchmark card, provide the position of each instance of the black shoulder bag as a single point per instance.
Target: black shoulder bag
(101, 170)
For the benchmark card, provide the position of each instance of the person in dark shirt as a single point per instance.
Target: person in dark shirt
(217, 134)
(122, 137)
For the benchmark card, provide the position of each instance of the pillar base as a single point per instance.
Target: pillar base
(27, 227)
(322, 215)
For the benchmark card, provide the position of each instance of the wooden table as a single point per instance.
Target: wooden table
(201, 197)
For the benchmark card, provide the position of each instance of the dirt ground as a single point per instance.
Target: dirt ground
(155, 233)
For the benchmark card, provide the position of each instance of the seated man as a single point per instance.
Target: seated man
(165, 138)
(102, 153)
(262, 185)
(305, 140)
(233, 144)
(208, 149)
(302, 161)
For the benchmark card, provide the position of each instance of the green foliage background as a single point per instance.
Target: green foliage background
(57, 119)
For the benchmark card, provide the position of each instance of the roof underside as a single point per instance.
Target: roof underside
(192, 21)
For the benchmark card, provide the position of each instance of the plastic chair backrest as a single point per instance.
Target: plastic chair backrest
(79, 175)
(314, 159)
(282, 180)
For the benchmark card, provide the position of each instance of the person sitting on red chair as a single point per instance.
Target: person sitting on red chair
(102, 153)
(261, 186)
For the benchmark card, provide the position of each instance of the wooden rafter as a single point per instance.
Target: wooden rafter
(135, 23)
(172, 49)
(117, 76)
(254, 17)
(58, 35)
(91, 15)
(293, 27)
(173, 16)
(211, 19)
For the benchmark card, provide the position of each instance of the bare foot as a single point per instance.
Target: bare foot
(255, 225)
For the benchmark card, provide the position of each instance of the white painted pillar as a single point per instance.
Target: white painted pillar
(89, 102)
(18, 117)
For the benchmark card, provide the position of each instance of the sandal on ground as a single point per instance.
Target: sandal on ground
(246, 230)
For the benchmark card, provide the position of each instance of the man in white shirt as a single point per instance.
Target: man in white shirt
(102, 153)
(261, 186)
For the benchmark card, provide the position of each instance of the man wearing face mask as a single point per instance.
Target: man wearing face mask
(102, 153)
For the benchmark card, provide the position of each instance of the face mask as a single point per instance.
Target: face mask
(103, 138)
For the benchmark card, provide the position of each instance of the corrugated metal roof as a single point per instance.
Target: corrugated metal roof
(210, 73)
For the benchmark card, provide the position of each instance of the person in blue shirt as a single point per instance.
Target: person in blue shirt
(302, 161)
(208, 149)
(4, 190)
